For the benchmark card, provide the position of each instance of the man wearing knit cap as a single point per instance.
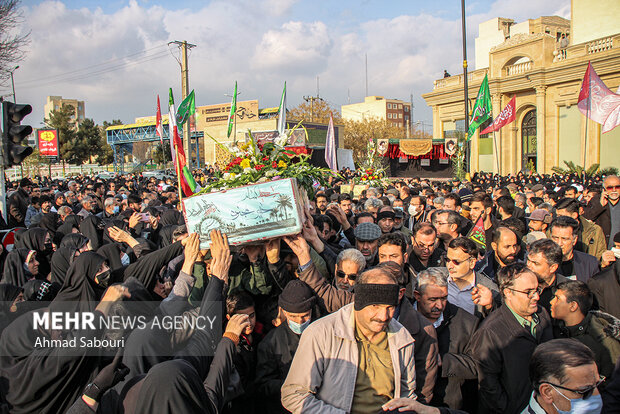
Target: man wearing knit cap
(356, 359)
(277, 349)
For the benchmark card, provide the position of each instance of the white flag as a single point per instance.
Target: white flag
(330, 146)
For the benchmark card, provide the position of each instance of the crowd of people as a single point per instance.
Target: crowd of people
(385, 302)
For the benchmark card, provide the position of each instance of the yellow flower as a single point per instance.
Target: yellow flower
(233, 175)
(245, 163)
(281, 164)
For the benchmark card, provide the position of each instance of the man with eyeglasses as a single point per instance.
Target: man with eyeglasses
(606, 213)
(507, 339)
(565, 379)
(597, 330)
(425, 253)
(471, 291)
(447, 223)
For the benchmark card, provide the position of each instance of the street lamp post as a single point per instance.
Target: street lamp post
(13, 82)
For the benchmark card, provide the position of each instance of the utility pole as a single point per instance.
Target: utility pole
(13, 83)
(184, 46)
(465, 86)
(311, 99)
(411, 113)
(366, 59)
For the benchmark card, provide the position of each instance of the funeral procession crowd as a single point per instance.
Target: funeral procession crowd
(493, 295)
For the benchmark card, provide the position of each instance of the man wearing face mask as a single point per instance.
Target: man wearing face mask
(110, 208)
(416, 210)
(277, 349)
(565, 379)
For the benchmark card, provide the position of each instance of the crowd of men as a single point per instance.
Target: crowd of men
(385, 302)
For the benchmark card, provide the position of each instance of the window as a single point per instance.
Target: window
(400, 106)
(400, 116)
(406, 109)
(389, 106)
(390, 116)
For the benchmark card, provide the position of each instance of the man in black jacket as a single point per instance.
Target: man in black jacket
(606, 289)
(455, 328)
(506, 339)
(277, 349)
(575, 265)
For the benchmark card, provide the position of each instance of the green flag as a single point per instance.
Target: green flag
(233, 111)
(482, 108)
(186, 109)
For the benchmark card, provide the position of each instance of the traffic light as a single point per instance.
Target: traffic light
(13, 133)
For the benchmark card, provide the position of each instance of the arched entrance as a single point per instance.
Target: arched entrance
(528, 139)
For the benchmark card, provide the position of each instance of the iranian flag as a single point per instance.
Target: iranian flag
(186, 180)
(159, 131)
(477, 233)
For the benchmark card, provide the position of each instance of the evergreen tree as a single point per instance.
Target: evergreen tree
(71, 148)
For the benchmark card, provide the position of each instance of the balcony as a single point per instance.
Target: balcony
(518, 68)
(581, 50)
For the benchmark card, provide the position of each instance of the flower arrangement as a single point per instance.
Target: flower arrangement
(256, 163)
(373, 172)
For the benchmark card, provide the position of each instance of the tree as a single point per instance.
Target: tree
(105, 155)
(11, 45)
(71, 148)
(316, 110)
(357, 134)
(89, 136)
(158, 154)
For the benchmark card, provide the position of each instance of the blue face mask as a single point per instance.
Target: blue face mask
(298, 328)
(592, 405)
(116, 210)
(125, 260)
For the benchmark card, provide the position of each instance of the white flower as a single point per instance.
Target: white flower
(226, 176)
(247, 170)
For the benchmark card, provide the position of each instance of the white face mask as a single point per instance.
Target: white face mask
(125, 260)
(413, 210)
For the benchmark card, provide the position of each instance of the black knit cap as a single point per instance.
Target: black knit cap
(297, 297)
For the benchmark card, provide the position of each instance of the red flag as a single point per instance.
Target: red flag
(597, 101)
(505, 117)
(477, 233)
(159, 128)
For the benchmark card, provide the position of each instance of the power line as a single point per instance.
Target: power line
(95, 73)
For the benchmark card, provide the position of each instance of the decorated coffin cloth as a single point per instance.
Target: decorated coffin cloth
(247, 214)
(416, 147)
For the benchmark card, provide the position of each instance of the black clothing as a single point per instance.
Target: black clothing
(584, 266)
(549, 292)
(79, 286)
(74, 241)
(14, 272)
(61, 261)
(275, 355)
(436, 259)
(502, 348)
(112, 253)
(92, 227)
(606, 289)
(453, 336)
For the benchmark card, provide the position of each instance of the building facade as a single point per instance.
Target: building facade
(396, 112)
(54, 103)
(543, 68)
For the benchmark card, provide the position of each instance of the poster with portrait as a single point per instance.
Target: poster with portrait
(382, 146)
(450, 146)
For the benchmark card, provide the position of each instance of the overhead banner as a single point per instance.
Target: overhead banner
(416, 147)
(48, 142)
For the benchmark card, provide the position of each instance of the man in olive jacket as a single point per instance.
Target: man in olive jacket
(506, 340)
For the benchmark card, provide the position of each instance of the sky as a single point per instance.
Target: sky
(114, 54)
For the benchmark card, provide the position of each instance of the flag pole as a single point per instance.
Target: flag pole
(499, 171)
(178, 174)
(585, 138)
